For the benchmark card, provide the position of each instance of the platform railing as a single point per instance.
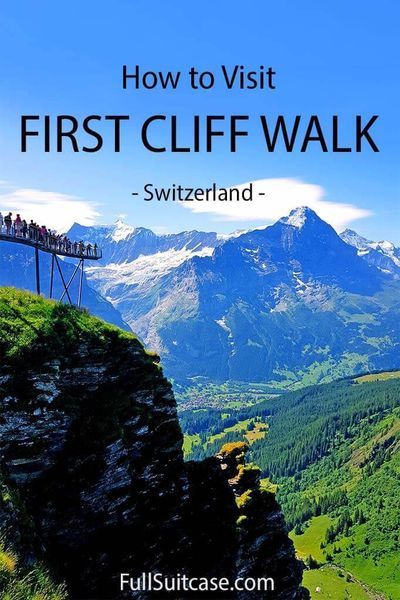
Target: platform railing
(56, 247)
(47, 244)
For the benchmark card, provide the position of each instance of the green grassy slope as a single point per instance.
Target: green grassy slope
(358, 532)
(333, 583)
(35, 328)
(333, 450)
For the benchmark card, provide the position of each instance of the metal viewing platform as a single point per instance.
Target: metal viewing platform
(57, 246)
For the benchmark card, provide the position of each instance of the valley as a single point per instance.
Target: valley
(332, 451)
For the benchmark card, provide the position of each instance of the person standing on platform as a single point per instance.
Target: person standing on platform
(18, 225)
(8, 223)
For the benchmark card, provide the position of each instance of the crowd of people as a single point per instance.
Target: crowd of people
(20, 228)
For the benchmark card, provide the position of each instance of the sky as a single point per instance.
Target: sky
(330, 58)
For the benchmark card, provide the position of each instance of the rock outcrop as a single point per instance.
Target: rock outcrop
(91, 461)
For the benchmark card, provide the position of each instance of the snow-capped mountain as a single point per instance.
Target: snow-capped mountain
(383, 255)
(299, 217)
(135, 260)
(292, 301)
(122, 243)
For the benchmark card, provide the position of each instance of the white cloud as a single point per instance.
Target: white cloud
(53, 209)
(281, 196)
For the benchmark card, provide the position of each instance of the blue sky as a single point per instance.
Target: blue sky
(331, 57)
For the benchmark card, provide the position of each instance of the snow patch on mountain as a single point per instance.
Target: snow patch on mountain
(121, 231)
(389, 250)
(354, 239)
(300, 286)
(384, 254)
(145, 269)
(229, 236)
(223, 325)
(297, 217)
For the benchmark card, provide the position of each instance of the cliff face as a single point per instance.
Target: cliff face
(91, 461)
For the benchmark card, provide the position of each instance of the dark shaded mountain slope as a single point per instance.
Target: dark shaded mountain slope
(291, 302)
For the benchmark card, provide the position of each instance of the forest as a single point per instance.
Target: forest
(332, 452)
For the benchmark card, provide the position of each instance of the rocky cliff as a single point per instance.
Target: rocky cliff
(92, 473)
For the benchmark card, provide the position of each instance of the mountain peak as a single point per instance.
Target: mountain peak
(386, 245)
(121, 231)
(299, 216)
(355, 239)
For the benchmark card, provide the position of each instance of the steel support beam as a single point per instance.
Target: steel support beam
(51, 276)
(37, 271)
(70, 280)
(82, 263)
(55, 261)
(62, 279)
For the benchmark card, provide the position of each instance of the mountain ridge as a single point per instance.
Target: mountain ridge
(294, 282)
(384, 255)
